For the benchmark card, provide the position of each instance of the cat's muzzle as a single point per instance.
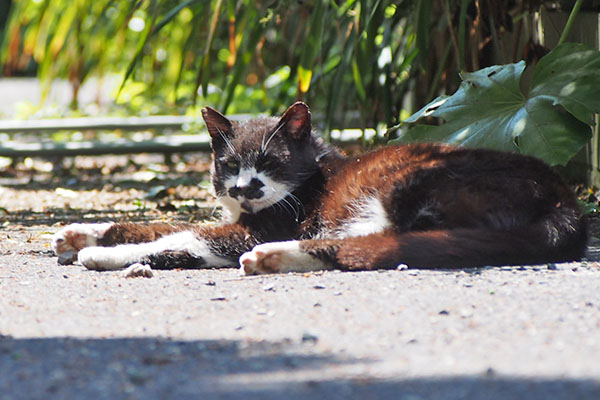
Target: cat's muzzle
(250, 191)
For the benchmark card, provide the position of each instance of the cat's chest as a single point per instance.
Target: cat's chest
(356, 203)
(361, 217)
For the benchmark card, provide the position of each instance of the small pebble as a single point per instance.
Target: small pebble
(318, 287)
(444, 312)
(309, 337)
(210, 283)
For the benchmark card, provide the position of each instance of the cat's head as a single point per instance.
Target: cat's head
(259, 162)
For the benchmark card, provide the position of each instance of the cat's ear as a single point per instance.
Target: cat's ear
(296, 121)
(219, 127)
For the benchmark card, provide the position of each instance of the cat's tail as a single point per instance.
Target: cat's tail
(559, 237)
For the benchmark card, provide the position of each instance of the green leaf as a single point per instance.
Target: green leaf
(243, 58)
(311, 46)
(146, 33)
(358, 81)
(149, 31)
(571, 75)
(422, 28)
(489, 110)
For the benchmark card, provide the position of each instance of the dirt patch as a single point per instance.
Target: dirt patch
(138, 188)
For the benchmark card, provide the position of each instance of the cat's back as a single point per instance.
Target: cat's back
(420, 186)
(407, 165)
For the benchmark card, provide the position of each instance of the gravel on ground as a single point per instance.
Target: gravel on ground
(65, 332)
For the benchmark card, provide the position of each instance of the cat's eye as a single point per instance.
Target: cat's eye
(232, 165)
(264, 162)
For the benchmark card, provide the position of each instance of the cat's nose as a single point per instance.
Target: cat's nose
(251, 190)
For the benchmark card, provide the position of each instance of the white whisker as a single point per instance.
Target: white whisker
(264, 145)
(294, 209)
(227, 141)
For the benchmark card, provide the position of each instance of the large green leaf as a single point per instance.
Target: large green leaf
(571, 75)
(489, 110)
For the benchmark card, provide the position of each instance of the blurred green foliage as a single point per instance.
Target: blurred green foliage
(360, 63)
(374, 57)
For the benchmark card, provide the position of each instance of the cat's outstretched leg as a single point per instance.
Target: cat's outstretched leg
(182, 249)
(353, 253)
(194, 247)
(455, 248)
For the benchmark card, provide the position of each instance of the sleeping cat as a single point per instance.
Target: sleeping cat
(293, 203)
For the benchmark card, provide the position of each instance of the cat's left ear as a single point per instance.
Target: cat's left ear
(217, 124)
(296, 121)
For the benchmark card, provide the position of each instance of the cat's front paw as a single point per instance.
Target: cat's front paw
(263, 259)
(102, 258)
(68, 241)
(270, 258)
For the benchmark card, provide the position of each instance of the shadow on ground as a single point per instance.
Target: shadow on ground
(151, 368)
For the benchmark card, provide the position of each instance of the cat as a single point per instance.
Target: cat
(291, 202)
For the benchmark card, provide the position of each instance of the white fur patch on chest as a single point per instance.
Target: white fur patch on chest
(368, 217)
(231, 210)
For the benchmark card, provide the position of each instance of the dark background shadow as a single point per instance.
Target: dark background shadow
(151, 368)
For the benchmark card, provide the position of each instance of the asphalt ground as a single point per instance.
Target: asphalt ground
(68, 333)
(490, 333)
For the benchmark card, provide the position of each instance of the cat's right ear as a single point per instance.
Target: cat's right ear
(219, 127)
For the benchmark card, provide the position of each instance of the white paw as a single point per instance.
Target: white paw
(67, 242)
(269, 258)
(138, 270)
(102, 258)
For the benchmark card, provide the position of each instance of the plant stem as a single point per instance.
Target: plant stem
(461, 29)
(459, 61)
(572, 16)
